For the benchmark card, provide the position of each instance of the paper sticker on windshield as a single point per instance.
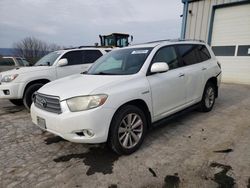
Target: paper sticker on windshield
(140, 52)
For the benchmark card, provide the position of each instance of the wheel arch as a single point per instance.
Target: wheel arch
(40, 81)
(214, 81)
(140, 103)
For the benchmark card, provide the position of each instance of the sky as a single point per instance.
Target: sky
(79, 22)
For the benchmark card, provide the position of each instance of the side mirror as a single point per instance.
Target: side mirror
(159, 67)
(62, 62)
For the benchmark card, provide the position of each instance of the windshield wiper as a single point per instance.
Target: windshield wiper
(104, 73)
(48, 64)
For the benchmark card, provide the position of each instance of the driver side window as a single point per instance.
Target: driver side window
(167, 55)
(74, 57)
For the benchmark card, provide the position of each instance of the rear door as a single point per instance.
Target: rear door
(168, 88)
(194, 58)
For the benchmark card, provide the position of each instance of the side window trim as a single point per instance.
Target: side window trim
(181, 59)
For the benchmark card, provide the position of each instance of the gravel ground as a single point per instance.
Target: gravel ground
(194, 150)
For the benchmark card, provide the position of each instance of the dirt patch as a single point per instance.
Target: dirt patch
(11, 110)
(113, 186)
(171, 181)
(53, 140)
(221, 178)
(99, 159)
(152, 172)
(224, 151)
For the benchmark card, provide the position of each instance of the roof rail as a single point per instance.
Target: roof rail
(198, 40)
(174, 40)
(163, 40)
(78, 47)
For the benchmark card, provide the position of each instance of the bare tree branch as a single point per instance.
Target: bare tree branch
(33, 49)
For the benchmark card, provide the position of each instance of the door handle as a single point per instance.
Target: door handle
(204, 68)
(181, 74)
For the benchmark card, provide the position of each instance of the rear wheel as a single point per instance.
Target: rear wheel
(28, 95)
(17, 102)
(127, 130)
(208, 98)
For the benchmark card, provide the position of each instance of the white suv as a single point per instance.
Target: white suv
(18, 85)
(126, 91)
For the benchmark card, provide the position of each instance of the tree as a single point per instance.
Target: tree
(33, 49)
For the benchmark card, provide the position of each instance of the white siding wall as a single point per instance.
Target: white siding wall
(200, 16)
(231, 27)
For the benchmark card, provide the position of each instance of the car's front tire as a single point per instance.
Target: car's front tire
(127, 130)
(28, 95)
(208, 98)
(17, 102)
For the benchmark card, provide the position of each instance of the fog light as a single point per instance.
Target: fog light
(80, 133)
(89, 132)
(85, 132)
(6, 92)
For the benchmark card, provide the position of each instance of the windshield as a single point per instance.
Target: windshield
(20, 62)
(120, 62)
(48, 59)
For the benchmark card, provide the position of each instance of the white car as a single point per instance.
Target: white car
(18, 85)
(128, 90)
(8, 63)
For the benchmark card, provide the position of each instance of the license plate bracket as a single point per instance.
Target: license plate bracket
(41, 122)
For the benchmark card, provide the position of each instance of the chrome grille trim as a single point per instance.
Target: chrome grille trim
(48, 103)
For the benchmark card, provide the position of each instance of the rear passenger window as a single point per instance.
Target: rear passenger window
(193, 53)
(74, 57)
(90, 56)
(204, 53)
(168, 55)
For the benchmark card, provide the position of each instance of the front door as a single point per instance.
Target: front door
(75, 64)
(168, 88)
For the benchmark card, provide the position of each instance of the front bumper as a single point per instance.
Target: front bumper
(67, 124)
(11, 90)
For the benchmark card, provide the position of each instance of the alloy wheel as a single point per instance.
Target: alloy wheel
(130, 130)
(210, 97)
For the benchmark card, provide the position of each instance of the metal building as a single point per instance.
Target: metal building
(225, 25)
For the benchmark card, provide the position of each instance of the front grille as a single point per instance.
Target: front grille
(48, 103)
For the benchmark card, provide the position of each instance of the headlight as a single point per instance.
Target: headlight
(9, 78)
(86, 102)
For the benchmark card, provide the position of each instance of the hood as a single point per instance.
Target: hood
(79, 84)
(23, 70)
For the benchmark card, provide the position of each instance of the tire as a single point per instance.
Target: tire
(27, 99)
(17, 102)
(116, 140)
(208, 98)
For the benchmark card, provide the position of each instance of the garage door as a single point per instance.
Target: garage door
(231, 42)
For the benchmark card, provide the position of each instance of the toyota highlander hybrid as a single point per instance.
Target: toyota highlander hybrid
(126, 91)
(18, 85)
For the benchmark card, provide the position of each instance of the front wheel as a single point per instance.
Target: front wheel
(208, 98)
(127, 130)
(28, 95)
